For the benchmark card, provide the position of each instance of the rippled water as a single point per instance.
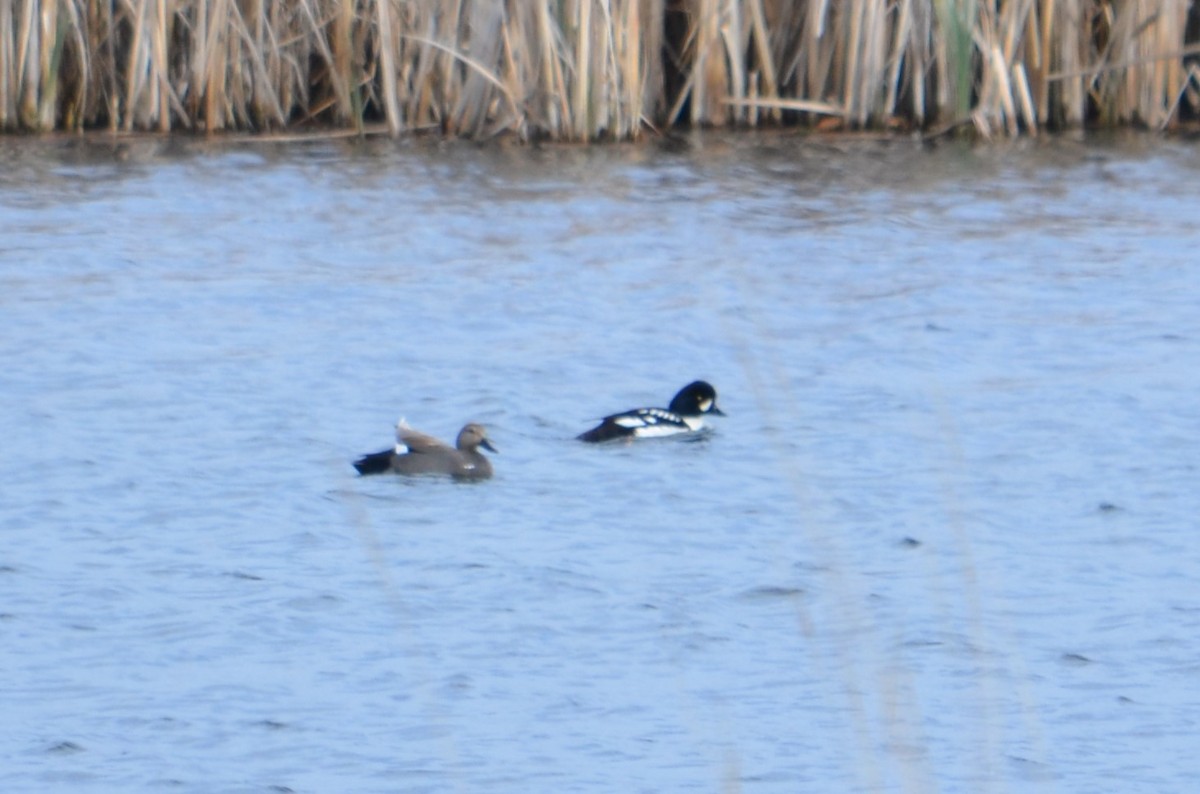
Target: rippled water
(945, 540)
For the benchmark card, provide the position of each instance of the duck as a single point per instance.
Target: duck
(417, 453)
(685, 414)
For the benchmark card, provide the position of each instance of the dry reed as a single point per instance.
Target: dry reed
(594, 69)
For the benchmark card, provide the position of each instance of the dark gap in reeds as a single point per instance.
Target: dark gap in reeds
(582, 70)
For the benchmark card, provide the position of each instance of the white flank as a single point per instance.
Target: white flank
(660, 430)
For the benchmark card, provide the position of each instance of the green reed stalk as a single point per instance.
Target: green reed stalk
(27, 47)
(956, 22)
(8, 66)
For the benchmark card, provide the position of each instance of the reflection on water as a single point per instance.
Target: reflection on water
(943, 540)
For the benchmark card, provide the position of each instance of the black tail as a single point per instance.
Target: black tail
(605, 431)
(375, 463)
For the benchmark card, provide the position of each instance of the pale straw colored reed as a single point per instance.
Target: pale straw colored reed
(583, 70)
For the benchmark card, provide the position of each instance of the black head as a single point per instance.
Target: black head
(696, 398)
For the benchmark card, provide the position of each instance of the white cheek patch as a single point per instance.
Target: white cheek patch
(705, 404)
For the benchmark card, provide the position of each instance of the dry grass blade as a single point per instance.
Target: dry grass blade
(1026, 98)
(477, 67)
(802, 105)
(555, 108)
(387, 66)
(768, 83)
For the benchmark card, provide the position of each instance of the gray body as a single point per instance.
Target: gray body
(417, 453)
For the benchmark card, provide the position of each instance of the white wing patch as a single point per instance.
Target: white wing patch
(401, 426)
(654, 422)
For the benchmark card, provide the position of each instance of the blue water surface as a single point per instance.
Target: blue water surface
(945, 540)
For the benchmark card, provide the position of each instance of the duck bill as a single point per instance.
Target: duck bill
(717, 411)
(488, 445)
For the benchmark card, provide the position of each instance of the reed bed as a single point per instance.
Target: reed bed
(581, 70)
